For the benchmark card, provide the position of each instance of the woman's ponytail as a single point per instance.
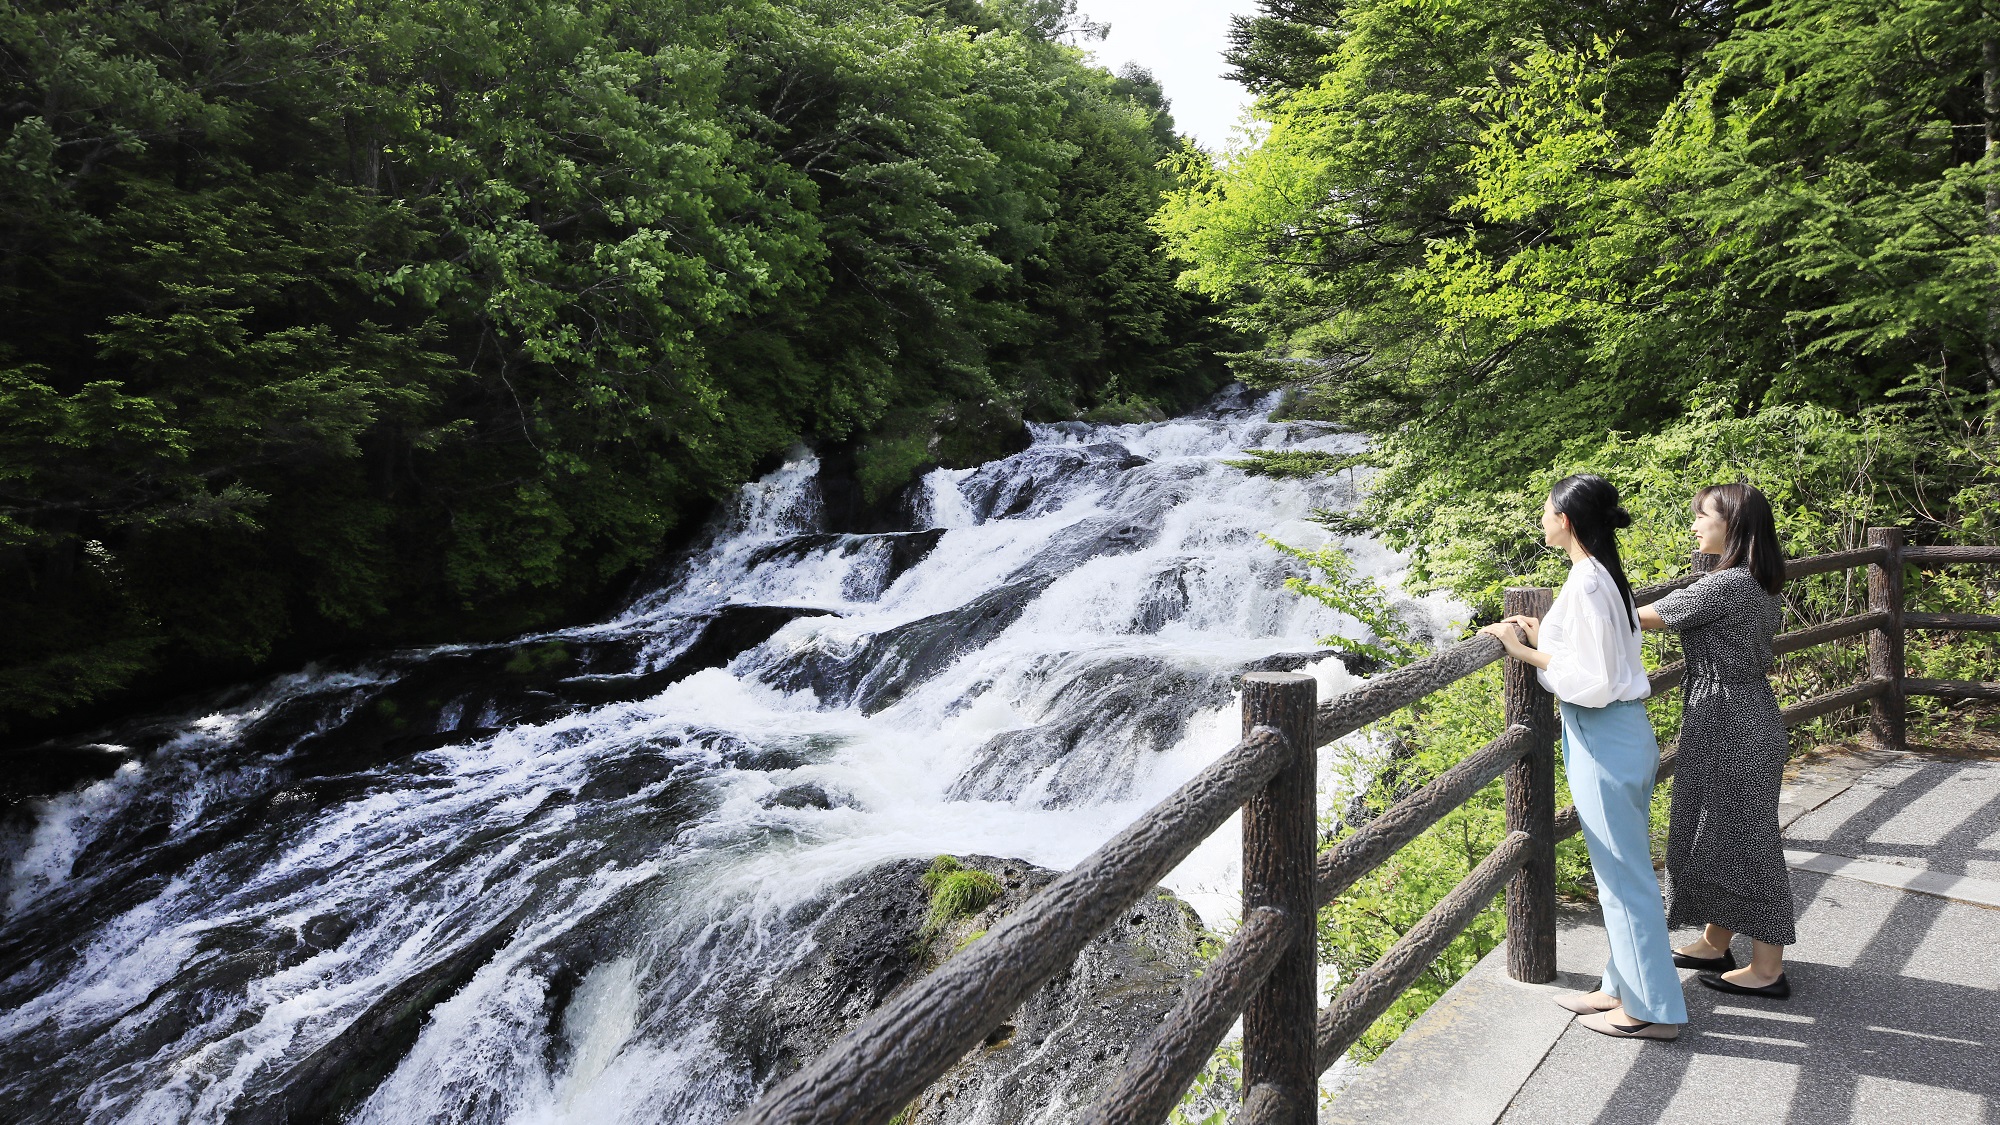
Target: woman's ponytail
(1595, 518)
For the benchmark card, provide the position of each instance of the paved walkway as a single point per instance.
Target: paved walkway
(1894, 1017)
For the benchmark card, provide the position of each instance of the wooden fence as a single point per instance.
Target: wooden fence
(1266, 973)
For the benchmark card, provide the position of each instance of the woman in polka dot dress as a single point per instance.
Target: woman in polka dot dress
(1725, 856)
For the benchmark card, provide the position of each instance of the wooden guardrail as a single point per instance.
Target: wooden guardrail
(1266, 973)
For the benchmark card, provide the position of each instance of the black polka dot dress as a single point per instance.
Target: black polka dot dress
(1725, 857)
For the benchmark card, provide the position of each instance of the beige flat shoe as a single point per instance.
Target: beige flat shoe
(1601, 1024)
(1579, 1003)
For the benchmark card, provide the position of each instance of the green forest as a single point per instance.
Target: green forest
(336, 323)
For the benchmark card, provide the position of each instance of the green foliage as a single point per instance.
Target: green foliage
(1519, 240)
(1503, 236)
(956, 892)
(1207, 1099)
(420, 320)
(1297, 463)
(1125, 410)
(1358, 596)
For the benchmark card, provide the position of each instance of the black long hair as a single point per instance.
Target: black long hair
(1591, 503)
(1752, 539)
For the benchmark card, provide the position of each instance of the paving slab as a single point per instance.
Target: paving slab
(1921, 880)
(1939, 814)
(1818, 776)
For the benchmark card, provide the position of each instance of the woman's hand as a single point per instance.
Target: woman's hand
(1509, 633)
(1529, 625)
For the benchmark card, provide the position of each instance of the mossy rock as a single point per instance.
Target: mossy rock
(1127, 410)
(529, 660)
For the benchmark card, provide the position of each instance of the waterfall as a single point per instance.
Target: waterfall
(550, 881)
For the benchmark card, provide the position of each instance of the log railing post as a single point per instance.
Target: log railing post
(1885, 645)
(1531, 808)
(1280, 835)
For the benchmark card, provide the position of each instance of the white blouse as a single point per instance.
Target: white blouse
(1594, 658)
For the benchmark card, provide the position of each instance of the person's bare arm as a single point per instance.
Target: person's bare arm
(1649, 619)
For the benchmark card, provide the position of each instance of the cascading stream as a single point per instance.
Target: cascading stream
(549, 881)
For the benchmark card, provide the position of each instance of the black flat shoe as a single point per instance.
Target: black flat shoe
(1720, 964)
(1777, 990)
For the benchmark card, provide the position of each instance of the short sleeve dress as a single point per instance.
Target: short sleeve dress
(1725, 857)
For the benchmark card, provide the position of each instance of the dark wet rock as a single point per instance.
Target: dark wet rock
(1042, 479)
(884, 667)
(800, 797)
(1357, 663)
(732, 631)
(884, 556)
(1116, 710)
(1234, 399)
(326, 1085)
(38, 771)
(1164, 601)
(845, 505)
(1065, 1043)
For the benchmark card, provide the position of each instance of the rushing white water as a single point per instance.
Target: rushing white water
(594, 893)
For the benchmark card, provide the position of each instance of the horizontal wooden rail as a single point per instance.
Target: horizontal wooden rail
(1969, 622)
(1647, 595)
(1951, 554)
(1837, 560)
(1372, 845)
(1371, 993)
(874, 1070)
(1392, 691)
(1670, 676)
(1163, 1066)
(1826, 631)
(1850, 696)
(1952, 689)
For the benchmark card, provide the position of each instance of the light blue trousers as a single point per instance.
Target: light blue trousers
(1610, 755)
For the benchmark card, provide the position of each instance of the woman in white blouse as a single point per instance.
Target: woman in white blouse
(1588, 651)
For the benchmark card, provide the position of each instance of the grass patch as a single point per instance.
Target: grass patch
(956, 892)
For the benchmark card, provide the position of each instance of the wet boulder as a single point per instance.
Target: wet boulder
(1042, 479)
(1117, 711)
(1064, 1045)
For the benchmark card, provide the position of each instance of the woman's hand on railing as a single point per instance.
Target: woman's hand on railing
(1532, 626)
(1510, 633)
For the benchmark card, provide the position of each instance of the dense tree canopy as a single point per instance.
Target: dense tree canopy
(362, 320)
(1501, 234)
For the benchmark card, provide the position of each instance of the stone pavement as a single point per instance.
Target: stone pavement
(1894, 1016)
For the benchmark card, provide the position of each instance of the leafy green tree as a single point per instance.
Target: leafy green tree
(379, 322)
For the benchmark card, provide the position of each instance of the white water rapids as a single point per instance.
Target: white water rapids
(1045, 653)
